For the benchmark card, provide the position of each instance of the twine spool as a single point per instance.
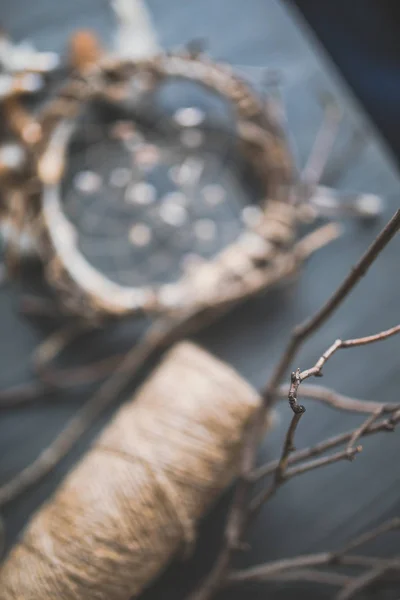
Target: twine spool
(133, 502)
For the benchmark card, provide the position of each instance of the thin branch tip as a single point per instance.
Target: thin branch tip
(243, 508)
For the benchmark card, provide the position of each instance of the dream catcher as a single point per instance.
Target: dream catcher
(149, 203)
(164, 188)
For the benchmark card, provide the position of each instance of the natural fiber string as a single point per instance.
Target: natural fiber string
(134, 500)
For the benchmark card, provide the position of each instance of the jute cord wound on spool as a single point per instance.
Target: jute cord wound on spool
(133, 502)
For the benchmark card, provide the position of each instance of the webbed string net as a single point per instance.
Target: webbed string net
(155, 188)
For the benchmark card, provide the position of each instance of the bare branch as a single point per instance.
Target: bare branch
(324, 141)
(313, 576)
(265, 571)
(387, 425)
(24, 393)
(158, 334)
(339, 401)
(70, 377)
(359, 432)
(37, 306)
(54, 345)
(348, 454)
(288, 446)
(316, 371)
(303, 331)
(370, 339)
(2, 537)
(348, 155)
(265, 495)
(269, 570)
(369, 536)
(280, 471)
(366, 580)
(315, 240)
(237, 518)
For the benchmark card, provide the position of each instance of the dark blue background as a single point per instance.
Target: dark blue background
(363, 38)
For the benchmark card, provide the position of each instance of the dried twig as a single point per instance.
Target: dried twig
(387, 425)
(372, 534)
(238, 516)
(158, 334)
(54, 345)
(348, 155)
(313, 576)
(316, 371)
(305, 568)
(280, 471)
(366, 580)
(268, 571)
(348, 454)
(288, 446)
(53, 379)
(303, 331)
(338, 401)
(24, 393)
(317, 161)
(264, 496)
(361, 430)
(2, 537)
(294, 567)
(31, 305)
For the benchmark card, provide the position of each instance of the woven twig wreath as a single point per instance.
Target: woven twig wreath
(238, 270)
